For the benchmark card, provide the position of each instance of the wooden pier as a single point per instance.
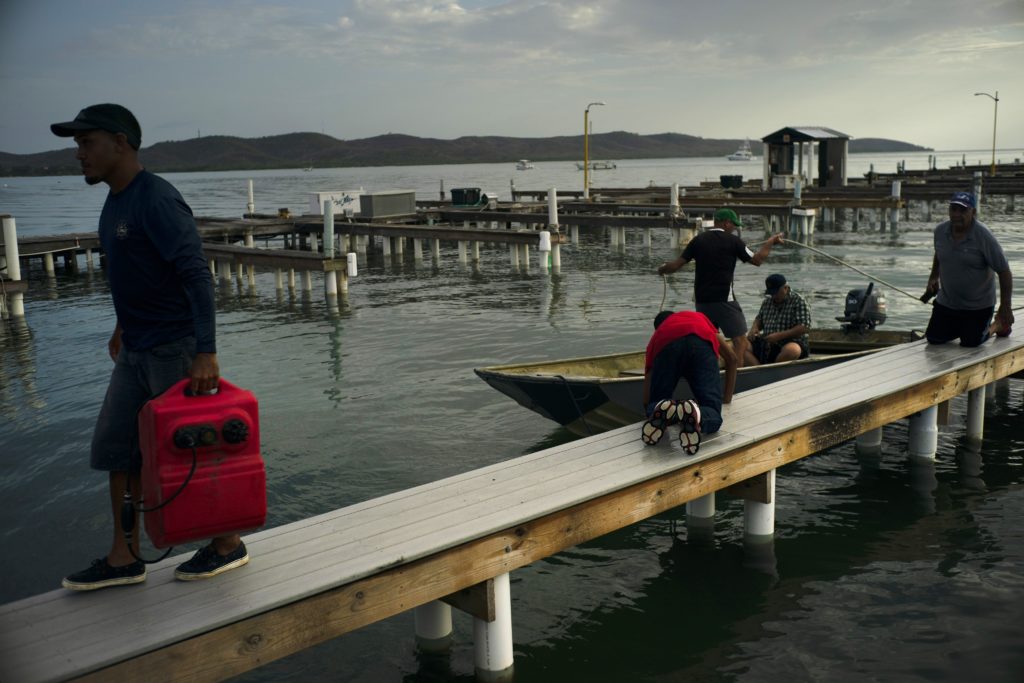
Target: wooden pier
(457, 539)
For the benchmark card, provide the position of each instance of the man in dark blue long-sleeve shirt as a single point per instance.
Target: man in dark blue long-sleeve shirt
(165, 330)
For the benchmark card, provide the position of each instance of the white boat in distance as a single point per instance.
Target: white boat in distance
(742, 154)
(597, 165)
(524, 165)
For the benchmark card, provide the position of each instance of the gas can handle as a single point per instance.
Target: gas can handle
(189, 392)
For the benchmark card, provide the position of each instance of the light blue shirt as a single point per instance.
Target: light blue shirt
(967, 269)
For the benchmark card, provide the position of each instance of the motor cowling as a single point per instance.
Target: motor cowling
(865, 309)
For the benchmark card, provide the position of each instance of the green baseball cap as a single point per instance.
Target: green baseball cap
(728, 215)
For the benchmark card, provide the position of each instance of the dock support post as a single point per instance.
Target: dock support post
(700, 518)
(544, 250)
(48, 264)
(976, 413)
(758, 517)
(492, 640)
(977, 193)
(556, 256)
(250, 242)
(513, 253)
(475, 253)
(88, 259)
(436, 249)
(462, 251)
(524, 257)
(250, 207)
(16, 302)
(924, 433)
(647, 238)
(894, 214)
(574, 234)
(869, 442)
(307, 281)
(291, 279)
(926, 208)
(278, 279)
(417, 248)
(673, 200)
(385, 244)
(433, 626)
(225, 268)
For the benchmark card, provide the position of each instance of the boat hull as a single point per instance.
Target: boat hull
(594, 394)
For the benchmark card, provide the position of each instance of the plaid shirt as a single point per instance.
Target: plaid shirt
(792, 312)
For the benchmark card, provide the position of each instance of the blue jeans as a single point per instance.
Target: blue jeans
(693, 359)
(137, 377)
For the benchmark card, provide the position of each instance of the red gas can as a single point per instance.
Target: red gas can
(227, 492)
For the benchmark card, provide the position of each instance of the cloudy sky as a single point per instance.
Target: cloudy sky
(902, 69)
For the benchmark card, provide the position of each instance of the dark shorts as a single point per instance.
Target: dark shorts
(766, 352)
(947, 324)
(726, 316)
(137, 377)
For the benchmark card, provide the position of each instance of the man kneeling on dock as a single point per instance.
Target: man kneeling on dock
(686, 345)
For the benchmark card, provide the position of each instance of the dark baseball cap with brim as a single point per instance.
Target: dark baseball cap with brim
(773, 283)
(964, 199)
(727, 215)
(112, 118)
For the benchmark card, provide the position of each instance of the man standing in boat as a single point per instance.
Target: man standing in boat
(685, 345)
(716, 252)
(164, 332)
(779, 332)
(967, 262)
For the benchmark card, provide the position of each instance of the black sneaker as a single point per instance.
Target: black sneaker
(207, 563)
(101, 575)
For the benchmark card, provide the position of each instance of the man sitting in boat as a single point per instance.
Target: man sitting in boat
(779, 332)
(686, 345)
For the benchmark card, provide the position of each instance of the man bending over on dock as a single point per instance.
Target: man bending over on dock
(685, 345)
(780, 329)
(163, 300)
(716, 252)
(967, 261)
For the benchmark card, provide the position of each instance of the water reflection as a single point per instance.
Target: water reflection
(18, 389)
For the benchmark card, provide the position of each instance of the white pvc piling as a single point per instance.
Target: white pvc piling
(553, 207)
(476, 252)
(894, 213)
(544, 250)
(250, 242)
(869, 442)
(328, 229)
(492, 640)
(977, 193)
(16, 303)
(673, 200)
(48, 263)
(278, 279)
(462, 251)
(251, 205)
(924, 433)
(436, 245)
(702, 508)
(759, 518)
(976, 413)
(433, 626)
(417, 248)
(513, 254)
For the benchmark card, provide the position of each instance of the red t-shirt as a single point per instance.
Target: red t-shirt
(679, 325)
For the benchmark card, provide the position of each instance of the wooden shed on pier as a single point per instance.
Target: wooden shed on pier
(790, 154)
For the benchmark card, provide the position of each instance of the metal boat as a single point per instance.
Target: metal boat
(597, 393)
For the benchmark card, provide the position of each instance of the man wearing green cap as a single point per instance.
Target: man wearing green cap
(715, 252)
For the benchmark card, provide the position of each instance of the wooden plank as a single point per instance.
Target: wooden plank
(757, 489)
(476, 601)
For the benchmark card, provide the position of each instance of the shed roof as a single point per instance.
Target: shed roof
(803, 134)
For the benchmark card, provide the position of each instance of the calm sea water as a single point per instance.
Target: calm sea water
(882, 569)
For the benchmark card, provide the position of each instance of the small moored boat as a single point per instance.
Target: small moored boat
(524, 165)
(598, 393)
(742, 154)
(597, 165)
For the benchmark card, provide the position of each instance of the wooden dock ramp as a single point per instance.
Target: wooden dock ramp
(318, 578)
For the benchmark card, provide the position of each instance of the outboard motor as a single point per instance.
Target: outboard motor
(865, 308)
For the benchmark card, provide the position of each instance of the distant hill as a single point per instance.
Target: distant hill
(298, 150)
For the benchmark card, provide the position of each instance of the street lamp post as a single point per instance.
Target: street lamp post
(995, 116)
(586, 148)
